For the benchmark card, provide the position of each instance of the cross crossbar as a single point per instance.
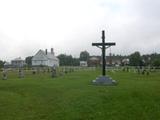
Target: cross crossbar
(105, 44)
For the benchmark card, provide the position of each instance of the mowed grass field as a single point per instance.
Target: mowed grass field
(73, 97)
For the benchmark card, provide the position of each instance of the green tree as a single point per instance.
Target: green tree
(61, 58)
(84, 56)
(1, 64)
(135, 59)
(68, 60)
(156, 63)
(146, 59)
(76, 62)
(28, 61)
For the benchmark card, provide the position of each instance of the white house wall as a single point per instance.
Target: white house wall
(38, 62)
(42, 59)
(53, 63)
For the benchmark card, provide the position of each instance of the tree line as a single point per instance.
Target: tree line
(135, 59)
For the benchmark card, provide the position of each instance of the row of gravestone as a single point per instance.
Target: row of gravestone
(20, 74)
(54, 71)
(143, 71)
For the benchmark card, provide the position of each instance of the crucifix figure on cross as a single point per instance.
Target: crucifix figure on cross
(104, 80)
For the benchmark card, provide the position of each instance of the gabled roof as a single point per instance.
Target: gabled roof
(6, 63)
(51, 56)
(41, 55)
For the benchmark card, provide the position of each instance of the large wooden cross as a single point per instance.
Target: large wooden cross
(103, 46)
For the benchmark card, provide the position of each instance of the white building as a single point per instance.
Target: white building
(125, 61)
(83, 63)
(45, 58)
(18, 62)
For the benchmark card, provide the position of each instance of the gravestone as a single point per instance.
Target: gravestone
(4, 75)
(61, 73)
(44, 70)
(38, 70)
(127, 69)
(48, 70)
(65, 70)
(53, 71)
(21, 73)
(103, 80)
(33, 71)
(113, 71)
(147, 72)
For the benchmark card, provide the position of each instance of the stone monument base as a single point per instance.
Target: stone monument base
(104, 80)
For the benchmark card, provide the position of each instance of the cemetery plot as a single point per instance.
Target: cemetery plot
(72, 96)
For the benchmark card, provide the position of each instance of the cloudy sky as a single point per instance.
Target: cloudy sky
(70, 26)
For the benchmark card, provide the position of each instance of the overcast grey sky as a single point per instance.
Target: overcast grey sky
(70, 26)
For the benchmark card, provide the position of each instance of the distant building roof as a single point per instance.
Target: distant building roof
(49, 55)
(6, 63)
(18, 59)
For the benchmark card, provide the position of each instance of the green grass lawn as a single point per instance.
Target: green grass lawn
(72, 97)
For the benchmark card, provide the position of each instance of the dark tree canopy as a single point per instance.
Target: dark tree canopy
(1, 63)
(84, 56)
(135, 59)
(156, 63)
(68, 60)
(28, 61)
